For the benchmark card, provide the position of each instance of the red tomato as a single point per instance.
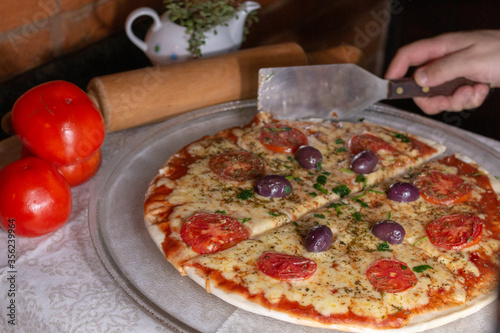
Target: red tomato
(237, 166)
(391, 275)
(210, 232)
(58, 122)
(442, 188)
(35, 196)
(286, 267)
(455, 232)
(282, 138)
(76, 174)
(368, 141)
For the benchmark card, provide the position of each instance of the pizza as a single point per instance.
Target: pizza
(346, 225)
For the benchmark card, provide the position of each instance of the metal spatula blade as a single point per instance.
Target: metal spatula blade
(338, 90)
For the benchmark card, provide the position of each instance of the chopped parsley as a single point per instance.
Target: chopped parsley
(320, 188)
(297, 179)
(273, 214)
(361, 120)
(340, 150)
(362, 203)
(246, 219)
(320, 216)
(383, 247)
(360, 179)
(337, 206)
(402, 137)
(245, 194)
(276, 129)
(341, 190)
(421, 239)
(421, 268)
(346, 170)
(359, 196)
(357, 216)
(321, 180)
(319, 166)
(220, 212)
(339, 141)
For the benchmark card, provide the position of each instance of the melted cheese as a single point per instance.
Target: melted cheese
(339, 283)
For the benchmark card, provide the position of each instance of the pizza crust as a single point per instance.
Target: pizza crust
(418, 324)
(156, 235)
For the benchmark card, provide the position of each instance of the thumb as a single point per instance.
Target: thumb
(442, 70)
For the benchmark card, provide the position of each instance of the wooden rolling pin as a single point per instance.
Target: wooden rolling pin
(152, 94)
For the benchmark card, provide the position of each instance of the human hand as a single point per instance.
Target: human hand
(474, 55)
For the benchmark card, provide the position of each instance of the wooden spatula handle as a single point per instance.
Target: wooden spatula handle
(408, 88)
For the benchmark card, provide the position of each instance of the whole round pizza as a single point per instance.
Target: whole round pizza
(346, 225)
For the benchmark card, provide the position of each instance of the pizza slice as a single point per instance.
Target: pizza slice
(349, 285)
(203, 200)
(449, 209)
(333, 159)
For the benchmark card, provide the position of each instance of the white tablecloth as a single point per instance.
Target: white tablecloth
(60, 284)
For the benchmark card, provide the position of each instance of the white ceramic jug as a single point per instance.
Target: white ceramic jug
(167, 42)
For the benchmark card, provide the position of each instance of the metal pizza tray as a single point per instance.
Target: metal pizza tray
(133, 260)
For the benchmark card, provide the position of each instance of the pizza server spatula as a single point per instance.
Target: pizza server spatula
(338, 90)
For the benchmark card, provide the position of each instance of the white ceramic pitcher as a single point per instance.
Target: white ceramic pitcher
(167, 42)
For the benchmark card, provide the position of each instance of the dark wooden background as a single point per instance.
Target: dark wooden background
(315, 24)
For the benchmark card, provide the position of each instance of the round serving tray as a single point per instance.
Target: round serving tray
(133, 260)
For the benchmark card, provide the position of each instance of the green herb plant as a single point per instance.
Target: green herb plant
(199, 16)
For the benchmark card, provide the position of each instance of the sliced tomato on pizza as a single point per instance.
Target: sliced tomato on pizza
(442, 188)
(286, 267)
(282, 138)
(391, 275)
(368, 141)
(455, 232)
(237, 166)
(212, 232)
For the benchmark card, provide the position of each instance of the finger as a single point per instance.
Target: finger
(444, 69)
(424, 51)
(465, 98)
(468, 97)
(432, 105)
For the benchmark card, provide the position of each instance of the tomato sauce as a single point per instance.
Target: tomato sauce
(490, 206)
(178, 165)
(489, 203)
(423, 148)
